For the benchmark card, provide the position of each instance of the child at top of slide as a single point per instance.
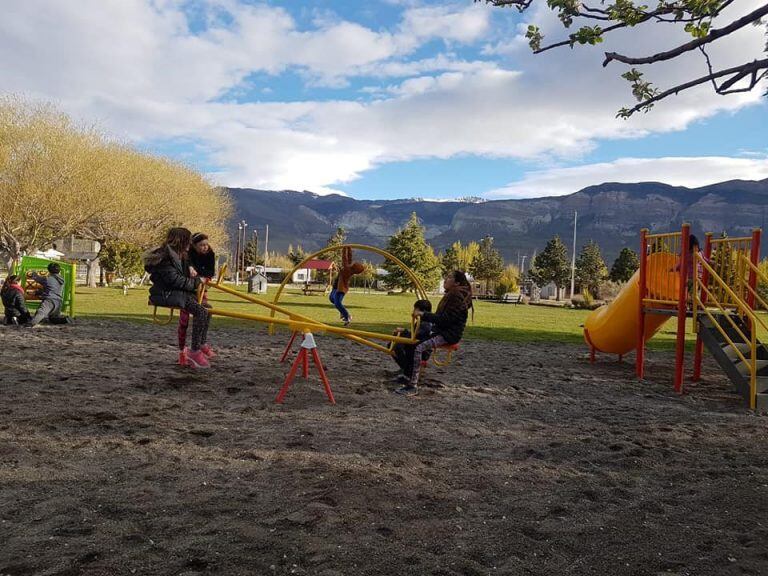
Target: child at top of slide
(341, 283)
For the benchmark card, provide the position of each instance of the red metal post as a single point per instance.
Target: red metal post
(291, 375)
(699, 352)
(288, 348)
(640, 356)
(323, 377)
(305, 368)
(682, 306)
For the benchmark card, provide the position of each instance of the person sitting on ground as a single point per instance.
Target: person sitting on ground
(50, 295)
(174, 287)
(202, 262)
(341, 283)
(12, 295)
(447, 323)
(403, 353)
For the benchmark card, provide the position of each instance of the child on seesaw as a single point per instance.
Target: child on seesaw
(403, 353)
(341, 283)
(448, 323)
(202, 262)
(173, 286)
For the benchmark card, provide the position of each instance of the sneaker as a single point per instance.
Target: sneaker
(183, 356)
(196, 359)
(401, 379)
(407, 390)
(208, 351)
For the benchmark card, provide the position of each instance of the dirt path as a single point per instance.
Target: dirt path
(526, 461)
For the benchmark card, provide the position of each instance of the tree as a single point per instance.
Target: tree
(509, 281)
(296, 256)
(624, 266)
(591, 271)
(58, 179)
(489, 264)
(408, 244)
(251, 253)
(458, 257)
(336, 239)
(552, 266)
(123, 259)
(694, 17)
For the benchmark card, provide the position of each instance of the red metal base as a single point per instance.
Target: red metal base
(303, 360)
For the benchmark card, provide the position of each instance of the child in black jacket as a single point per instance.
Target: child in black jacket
(403, 353)
(202, 261)
(172, 286)
(447, 323)
(13, 301)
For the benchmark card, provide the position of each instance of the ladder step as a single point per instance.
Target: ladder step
(730, 351)
(744, 368)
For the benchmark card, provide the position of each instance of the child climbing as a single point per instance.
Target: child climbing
(50, 295)
(13, 301)
(173, 286)
(202, 262)
(447, 323)
(341, 283)
(693, 249)
(403, 353)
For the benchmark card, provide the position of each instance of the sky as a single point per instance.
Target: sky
(381, 99)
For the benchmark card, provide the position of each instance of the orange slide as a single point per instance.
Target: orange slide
(613, 328)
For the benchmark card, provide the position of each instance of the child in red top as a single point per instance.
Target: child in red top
(13, 300)
(341, 283)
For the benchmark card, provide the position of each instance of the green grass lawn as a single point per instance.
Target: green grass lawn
(377, 312)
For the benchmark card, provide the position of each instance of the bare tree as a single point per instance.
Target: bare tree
(696, 17)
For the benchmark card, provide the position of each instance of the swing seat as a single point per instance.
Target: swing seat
(447, 357)
(161, 321)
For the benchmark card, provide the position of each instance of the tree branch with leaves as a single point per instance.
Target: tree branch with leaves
(591, 25)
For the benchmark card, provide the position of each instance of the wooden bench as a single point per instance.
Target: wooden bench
(512, 298)
(308, 290)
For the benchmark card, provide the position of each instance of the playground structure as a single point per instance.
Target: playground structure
(31, 264)
(721, 298)
(299, 324)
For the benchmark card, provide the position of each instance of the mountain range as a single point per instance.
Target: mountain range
(611, 214)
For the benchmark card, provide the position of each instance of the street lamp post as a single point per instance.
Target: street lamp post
(245, 236)
(237, 253)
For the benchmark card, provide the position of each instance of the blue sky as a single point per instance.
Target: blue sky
(388, 99)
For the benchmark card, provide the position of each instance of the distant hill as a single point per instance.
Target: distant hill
(611, 214)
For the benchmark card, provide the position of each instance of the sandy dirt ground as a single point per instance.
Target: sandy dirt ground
(518, 459)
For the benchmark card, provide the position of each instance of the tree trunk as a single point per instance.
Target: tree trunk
(90, 276)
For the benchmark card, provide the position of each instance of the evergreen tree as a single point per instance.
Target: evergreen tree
(123, 258)
(591, 271)
(624, 266)
(552, 266)
(251, 253)
(450, 260)
(336, 239)
(296, 256)
(489, 264)
(408, 244)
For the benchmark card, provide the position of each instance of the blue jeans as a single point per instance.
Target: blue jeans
(336, 299)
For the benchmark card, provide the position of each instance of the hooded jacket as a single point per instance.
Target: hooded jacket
(13, 301)
(204, 264)
(451, 316)
(348, 269)
(53, 286)
(171, 283)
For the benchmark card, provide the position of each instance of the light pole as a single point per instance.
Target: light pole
(245, 237)
(573, 257)
(237, 253)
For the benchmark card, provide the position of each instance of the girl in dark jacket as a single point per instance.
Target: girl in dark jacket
(447, 323)
(174, 287)
(13, 300)
(202, 261)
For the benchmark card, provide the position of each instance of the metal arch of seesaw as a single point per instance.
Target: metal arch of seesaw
(299, 322)
(422, 294)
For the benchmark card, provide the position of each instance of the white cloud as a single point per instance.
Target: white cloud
(136, 68)
(680, 171)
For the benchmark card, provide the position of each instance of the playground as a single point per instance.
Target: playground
(525, 460)
(525, 455)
